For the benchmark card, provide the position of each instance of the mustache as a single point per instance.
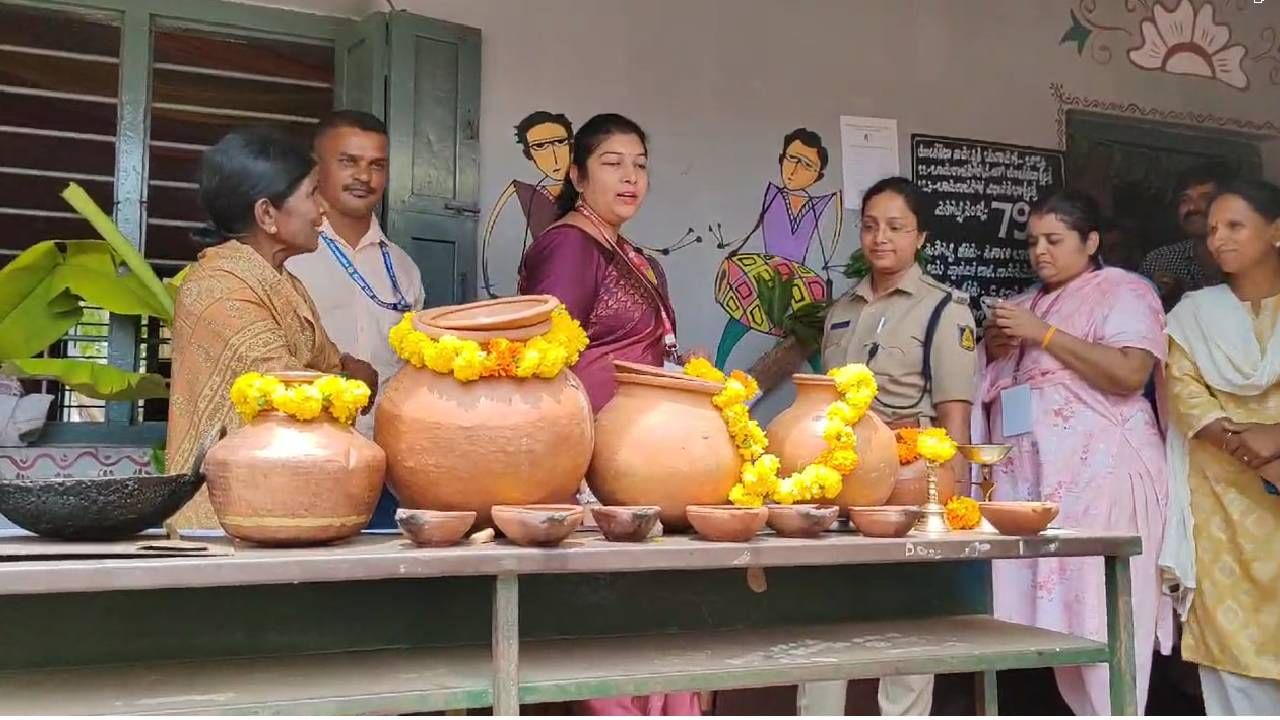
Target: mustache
(1192, 213)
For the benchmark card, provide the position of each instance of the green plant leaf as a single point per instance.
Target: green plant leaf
(172, 284)
(90, 272)
(83, 204)
(89, 378)
(35, 308)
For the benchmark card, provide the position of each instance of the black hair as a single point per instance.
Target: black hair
(586, 141)
(355, 119)
(918, 201)
(1262, 196)
(1210, 172)
(536, 118)
(810, 139)
(245, 166)
(1078, 210)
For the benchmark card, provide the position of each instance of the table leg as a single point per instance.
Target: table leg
(506, 646)
(824, 697)
(1123, 666)
(985, 693)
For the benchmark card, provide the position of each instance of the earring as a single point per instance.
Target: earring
(272, 229)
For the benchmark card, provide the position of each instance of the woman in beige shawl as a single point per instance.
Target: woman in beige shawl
(238, 310)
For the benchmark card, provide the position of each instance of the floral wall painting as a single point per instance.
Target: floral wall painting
(1212, 40)
(546, 139)
(791, 218)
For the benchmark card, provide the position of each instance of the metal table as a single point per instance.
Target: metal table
(376, 625)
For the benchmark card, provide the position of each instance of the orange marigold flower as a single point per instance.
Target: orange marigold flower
(963, 513)
(907, 452)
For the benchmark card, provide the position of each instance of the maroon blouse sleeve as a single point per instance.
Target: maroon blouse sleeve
(568, 263)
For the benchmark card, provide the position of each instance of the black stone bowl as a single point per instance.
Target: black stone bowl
(99, 508)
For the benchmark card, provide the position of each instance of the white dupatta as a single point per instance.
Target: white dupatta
(1215, 329)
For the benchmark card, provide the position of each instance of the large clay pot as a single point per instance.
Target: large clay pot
(660, 441)
(280, 481)
(912, 484)
(495, 441)
(795, 436)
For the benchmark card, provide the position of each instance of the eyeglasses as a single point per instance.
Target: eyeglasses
(891, 230)
(801, 160)
(543, 145)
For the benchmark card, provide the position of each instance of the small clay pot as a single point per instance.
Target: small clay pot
(537, 524)
(625, 523)
(884, 521)
(434, 528)
(488, 316)
(802, 521)
(727, 523)
(1019, 518)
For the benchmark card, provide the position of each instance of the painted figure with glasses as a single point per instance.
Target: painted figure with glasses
(789, 220)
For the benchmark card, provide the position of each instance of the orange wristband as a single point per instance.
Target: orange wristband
(1044, 344)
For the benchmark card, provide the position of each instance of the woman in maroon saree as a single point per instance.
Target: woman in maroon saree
(609, 286)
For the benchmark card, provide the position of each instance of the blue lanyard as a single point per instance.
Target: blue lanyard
(400, 304)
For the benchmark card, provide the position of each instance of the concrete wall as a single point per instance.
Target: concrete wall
(717, 83)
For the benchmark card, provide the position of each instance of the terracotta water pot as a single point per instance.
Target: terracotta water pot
(660, 441)
(912, 484)
(281, 481)
(495, 441)
(795, 436)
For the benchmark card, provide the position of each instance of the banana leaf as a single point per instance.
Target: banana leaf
(90, 378)
(36, 309)
(83, 204)
(90, 272)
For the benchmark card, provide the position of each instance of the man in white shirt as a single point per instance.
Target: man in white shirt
(361, 282)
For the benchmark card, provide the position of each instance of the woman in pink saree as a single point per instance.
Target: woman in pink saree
(618, 294)
(1064, 369)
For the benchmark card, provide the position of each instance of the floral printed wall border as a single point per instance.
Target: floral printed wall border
(1066, 100)
(1188, 39)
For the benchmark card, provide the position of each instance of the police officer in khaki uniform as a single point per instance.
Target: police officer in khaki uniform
(917, 336)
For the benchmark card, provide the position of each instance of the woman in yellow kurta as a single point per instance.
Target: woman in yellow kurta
(238, 310)
(1223, 373)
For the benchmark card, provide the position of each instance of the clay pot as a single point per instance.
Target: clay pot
(625, 524)
(911, 487)
(1019, 518)
(434, 528)
(537, 524)
(802, 521)
(660, 441)
(795, 436)
(727, 523)
(884, 521)
(469, 446)
(280, 481)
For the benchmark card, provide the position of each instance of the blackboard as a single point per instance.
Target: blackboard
(983, 192)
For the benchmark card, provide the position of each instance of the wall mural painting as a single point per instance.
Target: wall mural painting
(546, 139)
(1217, 40)
(791, 218)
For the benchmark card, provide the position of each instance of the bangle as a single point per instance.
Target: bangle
(1044, 344)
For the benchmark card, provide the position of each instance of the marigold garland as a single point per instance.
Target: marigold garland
(342, 398)
(821, 479)
(963, 513)
(544, 356)
(906, 438)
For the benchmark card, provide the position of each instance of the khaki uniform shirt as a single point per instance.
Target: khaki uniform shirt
(857, 323)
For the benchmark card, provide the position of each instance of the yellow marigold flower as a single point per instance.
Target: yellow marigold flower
(963, 513)
(553, 361)
(468, 364)
(842, 461)
(748, 383)
(739, 496)
(702, 369)
(838, 435)
(935, 445)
